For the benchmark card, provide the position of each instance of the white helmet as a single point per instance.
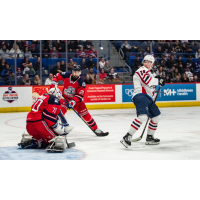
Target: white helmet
(149, 58)
(56, 92)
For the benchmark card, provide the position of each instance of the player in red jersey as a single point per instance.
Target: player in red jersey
(43, 124)
(73, 92)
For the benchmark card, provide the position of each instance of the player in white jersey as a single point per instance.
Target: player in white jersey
(143, 98)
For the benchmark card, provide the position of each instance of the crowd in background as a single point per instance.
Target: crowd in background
(168, 58)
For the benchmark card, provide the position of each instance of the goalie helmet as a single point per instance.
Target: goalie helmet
(76, 68)
(149, 58)
(56, 92)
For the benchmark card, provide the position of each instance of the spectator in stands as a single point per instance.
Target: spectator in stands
(63, 66)
(37, 80)
(178, 61)
(88, 79)
(18, 51)
(54, 53)
(69, 46)
(4, 52)
(19, 73)
(20, 43)
(140, 53)
(26, 44)
(171, 62)
(181, 68)
(107, 67)
(92, 52)
(163, 62)
(83, 64)
(198, 64)
(35, 52)
(177, 79)
(36, 66)
(27, 53)
(77, 45)
(190, 63)
(147, 52)
(189, 53)
(172, 51)
(90, 63)
(184, 41)
(176, 44)
(184, 78)
(57, 68)
(102, 75)
(195, 79)
(92, 76)
(113, 76)
(87, 45)
(49, 80)
(176, 73)
(2, 64)
(159, 52)
(25, 80)
(27, 66)
(7, 73)
(81, 53)
(2, 43)
(189, 74)
(45, 53)
(71, 64)
(102, 62)
(160, 72)
(156, 64)
(179, 52)
(49, 45)
(184, 48)
(197, 55)
(168, 79)
(126, 48)
(59, 46)
(136, 64)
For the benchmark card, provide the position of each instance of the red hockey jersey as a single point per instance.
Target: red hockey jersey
(46, 107)
(72, 89)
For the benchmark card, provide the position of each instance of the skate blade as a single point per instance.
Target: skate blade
(152, 143)
(124, 143)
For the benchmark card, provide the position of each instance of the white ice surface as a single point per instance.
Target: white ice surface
(178, 130)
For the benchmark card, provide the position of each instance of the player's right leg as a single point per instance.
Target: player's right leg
(141, 103)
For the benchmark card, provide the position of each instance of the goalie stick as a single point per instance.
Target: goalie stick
(139, 138)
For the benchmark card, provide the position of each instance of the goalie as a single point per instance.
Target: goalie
(46, 124)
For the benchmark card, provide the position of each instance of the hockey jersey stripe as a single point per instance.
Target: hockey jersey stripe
(152, 128)
(149, 81)
(141, 78)
(134, 127)
(136, 124)
(48, 118)
(48, 129)
(146, 79)
(50, 114)
(54, 118)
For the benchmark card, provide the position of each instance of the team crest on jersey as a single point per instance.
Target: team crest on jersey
(10, 95)
(56, 100)
(69, 92)
(83, 84)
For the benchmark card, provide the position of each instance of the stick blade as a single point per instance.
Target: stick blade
(136, 139)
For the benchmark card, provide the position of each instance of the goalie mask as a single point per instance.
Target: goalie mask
(56, 92)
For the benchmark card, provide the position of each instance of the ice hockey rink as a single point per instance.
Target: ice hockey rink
(178, 130)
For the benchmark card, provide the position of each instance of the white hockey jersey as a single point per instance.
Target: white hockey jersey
(144, 82)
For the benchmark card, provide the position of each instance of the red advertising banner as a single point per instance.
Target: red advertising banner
(39, 90)
(99, 93)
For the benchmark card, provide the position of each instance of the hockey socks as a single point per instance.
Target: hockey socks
(88, 118)
(152, 127)
(135, 125)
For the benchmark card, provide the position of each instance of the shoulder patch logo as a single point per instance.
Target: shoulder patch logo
(63, 73)
(56, 100)
(83, 84)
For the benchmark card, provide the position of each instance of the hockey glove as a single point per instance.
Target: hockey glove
(161, 81)
(72, 103)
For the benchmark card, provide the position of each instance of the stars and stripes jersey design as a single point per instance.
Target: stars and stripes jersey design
(144, 82)
(72, 89)
(46, 107)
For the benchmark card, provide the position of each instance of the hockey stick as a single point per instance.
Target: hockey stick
(75, 111)
(139, 138)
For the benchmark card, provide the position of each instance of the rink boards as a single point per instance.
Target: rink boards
(20, 98)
